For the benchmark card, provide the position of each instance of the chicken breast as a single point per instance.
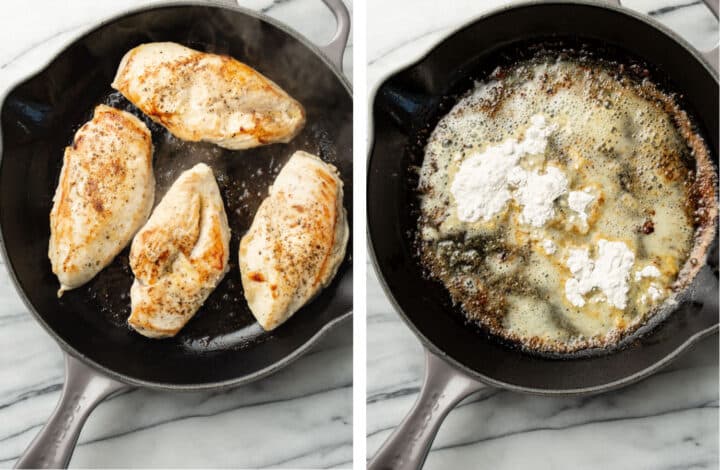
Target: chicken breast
(214, 98)
(296, 242)
(180, 255)
(105, 194)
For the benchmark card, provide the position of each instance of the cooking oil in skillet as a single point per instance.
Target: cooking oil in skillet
(618, 141)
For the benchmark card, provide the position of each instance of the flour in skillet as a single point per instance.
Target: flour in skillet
(537, 193)
(608, 273)
(647, 271)
(579, 201)
(482, 185)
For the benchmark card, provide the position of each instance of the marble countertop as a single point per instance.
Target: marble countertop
(665, 422)
(300, 417)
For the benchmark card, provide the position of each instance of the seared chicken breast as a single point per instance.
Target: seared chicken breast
(296, 242)
(214, 98)
(180, 255)
(105, 194)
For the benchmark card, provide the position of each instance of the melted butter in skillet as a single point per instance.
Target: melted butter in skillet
(624, 164)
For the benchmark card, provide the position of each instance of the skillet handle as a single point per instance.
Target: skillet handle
(443, 388)
(84, 388)
(336, 47)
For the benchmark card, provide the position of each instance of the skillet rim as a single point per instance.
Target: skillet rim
(429, 345)
(68, 348)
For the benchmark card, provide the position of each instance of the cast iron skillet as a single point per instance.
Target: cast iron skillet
(222, 346)
(460, 359)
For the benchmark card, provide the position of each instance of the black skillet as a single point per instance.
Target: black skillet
(222, 346)
(460, 359)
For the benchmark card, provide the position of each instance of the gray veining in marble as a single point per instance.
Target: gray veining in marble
(300, 417)
(669, 421)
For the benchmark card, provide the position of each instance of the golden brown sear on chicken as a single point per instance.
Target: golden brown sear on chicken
(105, 194)
(296, 242)
(199, 96)
(180, 255)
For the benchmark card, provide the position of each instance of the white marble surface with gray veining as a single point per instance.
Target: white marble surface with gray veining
(300, 417)
(669, 421)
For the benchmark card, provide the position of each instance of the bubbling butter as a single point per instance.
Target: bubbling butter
(570, 187)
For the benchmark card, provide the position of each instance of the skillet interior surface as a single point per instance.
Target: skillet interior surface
(407, 106)
(222, 344)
